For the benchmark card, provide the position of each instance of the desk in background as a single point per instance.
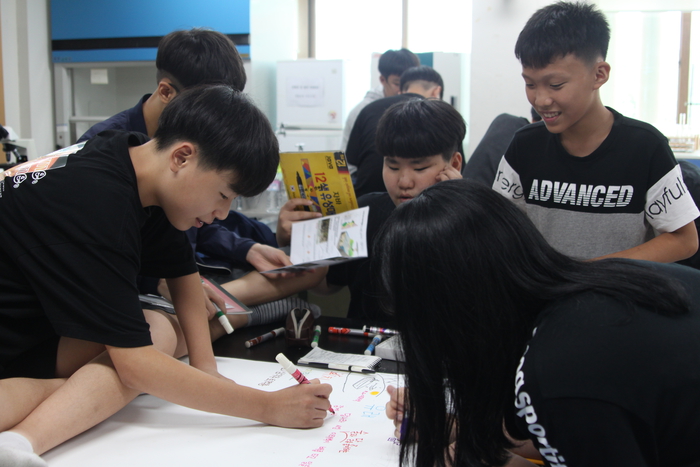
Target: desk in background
(233, 345)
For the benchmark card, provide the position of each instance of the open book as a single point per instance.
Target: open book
(328, 240)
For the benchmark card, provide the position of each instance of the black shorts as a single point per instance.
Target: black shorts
(36, 362)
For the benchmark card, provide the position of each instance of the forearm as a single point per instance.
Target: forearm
(665, 248)
(190, 306)
(254, 288)
(148, 370)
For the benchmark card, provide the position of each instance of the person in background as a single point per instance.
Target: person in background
(417, 82)
(187, 58)
(483, 163)
(391, 66)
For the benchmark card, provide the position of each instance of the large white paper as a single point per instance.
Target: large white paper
(150, 432)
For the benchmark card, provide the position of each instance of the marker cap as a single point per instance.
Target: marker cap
(224, 322)
(286, 364)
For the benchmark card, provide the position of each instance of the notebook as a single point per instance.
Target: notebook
(340, 361)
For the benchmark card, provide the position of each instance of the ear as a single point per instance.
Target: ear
(435, 92)
(182, 154)
(382, 80)
(602, 74)
(165, 91)
(456, 161)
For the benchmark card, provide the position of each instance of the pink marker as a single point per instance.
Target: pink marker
(294, 371)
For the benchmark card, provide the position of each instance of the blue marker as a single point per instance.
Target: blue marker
(376, 340)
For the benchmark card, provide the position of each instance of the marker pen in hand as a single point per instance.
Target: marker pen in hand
(404, 424)
(224, 321)
(294, 371)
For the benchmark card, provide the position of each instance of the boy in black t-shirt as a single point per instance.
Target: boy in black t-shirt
(419, 140)
(77, 231)
(595, 183)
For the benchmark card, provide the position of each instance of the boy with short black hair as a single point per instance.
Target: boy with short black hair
(391, 66)
(184, 59)
(420, 140)
(421, 81)
(595, 183)
(426, 77)
(189, 58)
(79, 229)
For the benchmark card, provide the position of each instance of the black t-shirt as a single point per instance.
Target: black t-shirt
(73, 239)
(356, 274)
(607, 383)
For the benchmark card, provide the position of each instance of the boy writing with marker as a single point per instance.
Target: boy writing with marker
(77, 235)
(188, 58)
(595, 183)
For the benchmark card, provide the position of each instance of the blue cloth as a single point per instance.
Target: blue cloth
(224, 244)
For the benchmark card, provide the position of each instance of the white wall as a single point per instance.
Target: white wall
(496, 84)
(274, 36)
(27, 71)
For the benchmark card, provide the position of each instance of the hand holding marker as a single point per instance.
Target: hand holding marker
(294, 371)
(223, 319)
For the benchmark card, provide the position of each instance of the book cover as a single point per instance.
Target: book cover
(321, 177)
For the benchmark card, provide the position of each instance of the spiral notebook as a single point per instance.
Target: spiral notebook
(340, 361)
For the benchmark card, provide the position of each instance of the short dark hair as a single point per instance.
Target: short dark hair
(229, 132)
(422, 73)
(199, 56)
(395, 62)
(560, 29)
(420, 127)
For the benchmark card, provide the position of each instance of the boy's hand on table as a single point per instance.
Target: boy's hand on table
(288, 215)
(300, 406)
(395, 408)
(449, 173)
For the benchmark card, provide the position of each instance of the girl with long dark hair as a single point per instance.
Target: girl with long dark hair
(597, 363)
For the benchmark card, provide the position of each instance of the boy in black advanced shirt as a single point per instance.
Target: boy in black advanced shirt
(595, 183)
(78, 229)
